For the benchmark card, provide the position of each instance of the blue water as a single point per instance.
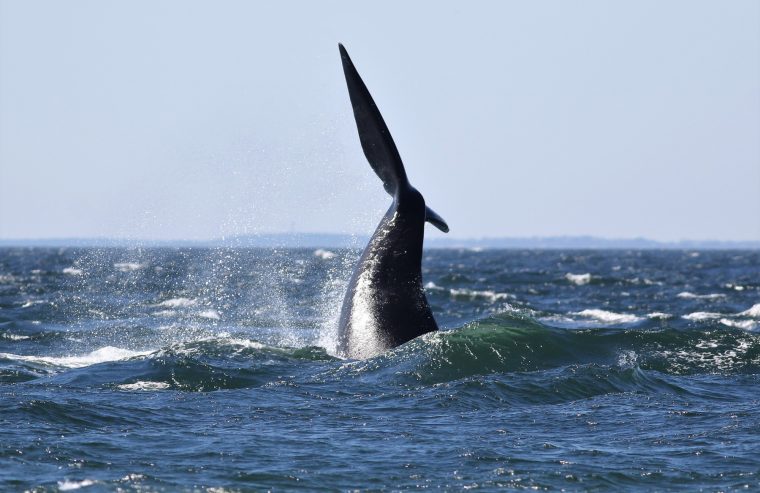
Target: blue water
(213, 370)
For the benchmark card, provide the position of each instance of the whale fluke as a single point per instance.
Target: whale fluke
(377, 143)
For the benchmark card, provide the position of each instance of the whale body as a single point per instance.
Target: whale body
(385, 303)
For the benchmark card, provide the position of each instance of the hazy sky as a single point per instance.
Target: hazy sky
(178, 119)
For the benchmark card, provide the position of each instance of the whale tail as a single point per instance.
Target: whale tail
(376, 140)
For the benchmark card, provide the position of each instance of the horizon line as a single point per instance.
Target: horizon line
(352, 240)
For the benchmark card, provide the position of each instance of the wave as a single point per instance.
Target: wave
(469, 294)
(507, 344)
(752, 312)
(689, 295)
(702, 316)
(578, 279)
(659, 315)
(508, 347)
(608, 317)
(740, 324)
(144, 385)
(180, 302)
(210, 314)
(68, 485)
(104, 354)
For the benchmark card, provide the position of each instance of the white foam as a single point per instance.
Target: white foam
(324, 254)
(210, 314)
(73, 271)
(608, 317)
(736, 287)
(702, 316)
(165, 313)
(489, 295)
(144, 385)
(15, 337)
(711, 296)
(128, 266)
(178, 303)
(102, 355)
(739, 324)
(67, 485)
(578, 279)
(752, 312)
(659, 315)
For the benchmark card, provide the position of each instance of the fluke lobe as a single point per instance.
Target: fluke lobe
(385, 304)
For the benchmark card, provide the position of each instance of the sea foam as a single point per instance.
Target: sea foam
(739, 324)
(753, 312)
(608, 317)
(102, 355)
(144, 385)
(578, 279)
(702, 316)
(711, 296)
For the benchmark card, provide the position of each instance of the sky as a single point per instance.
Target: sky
(195, 120)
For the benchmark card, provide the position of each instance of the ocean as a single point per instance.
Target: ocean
(214, 369)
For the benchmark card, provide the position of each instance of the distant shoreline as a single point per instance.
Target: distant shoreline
(317, 240)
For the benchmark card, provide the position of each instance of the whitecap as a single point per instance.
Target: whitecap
(578, 279)
(711, 296)
(15, 337)
(67, 485)
(489, 295)
(752, 312)
(324, 254)
(735, 287)
(144, 385)
(177, 303)
(702, 316)
(128, 266)
(210, 314)
(165, 313)
(102, 355)
(608, 316)
(739, 324)
(659, 315)
(73, 271)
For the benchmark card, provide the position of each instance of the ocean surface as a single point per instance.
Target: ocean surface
(214, 370)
